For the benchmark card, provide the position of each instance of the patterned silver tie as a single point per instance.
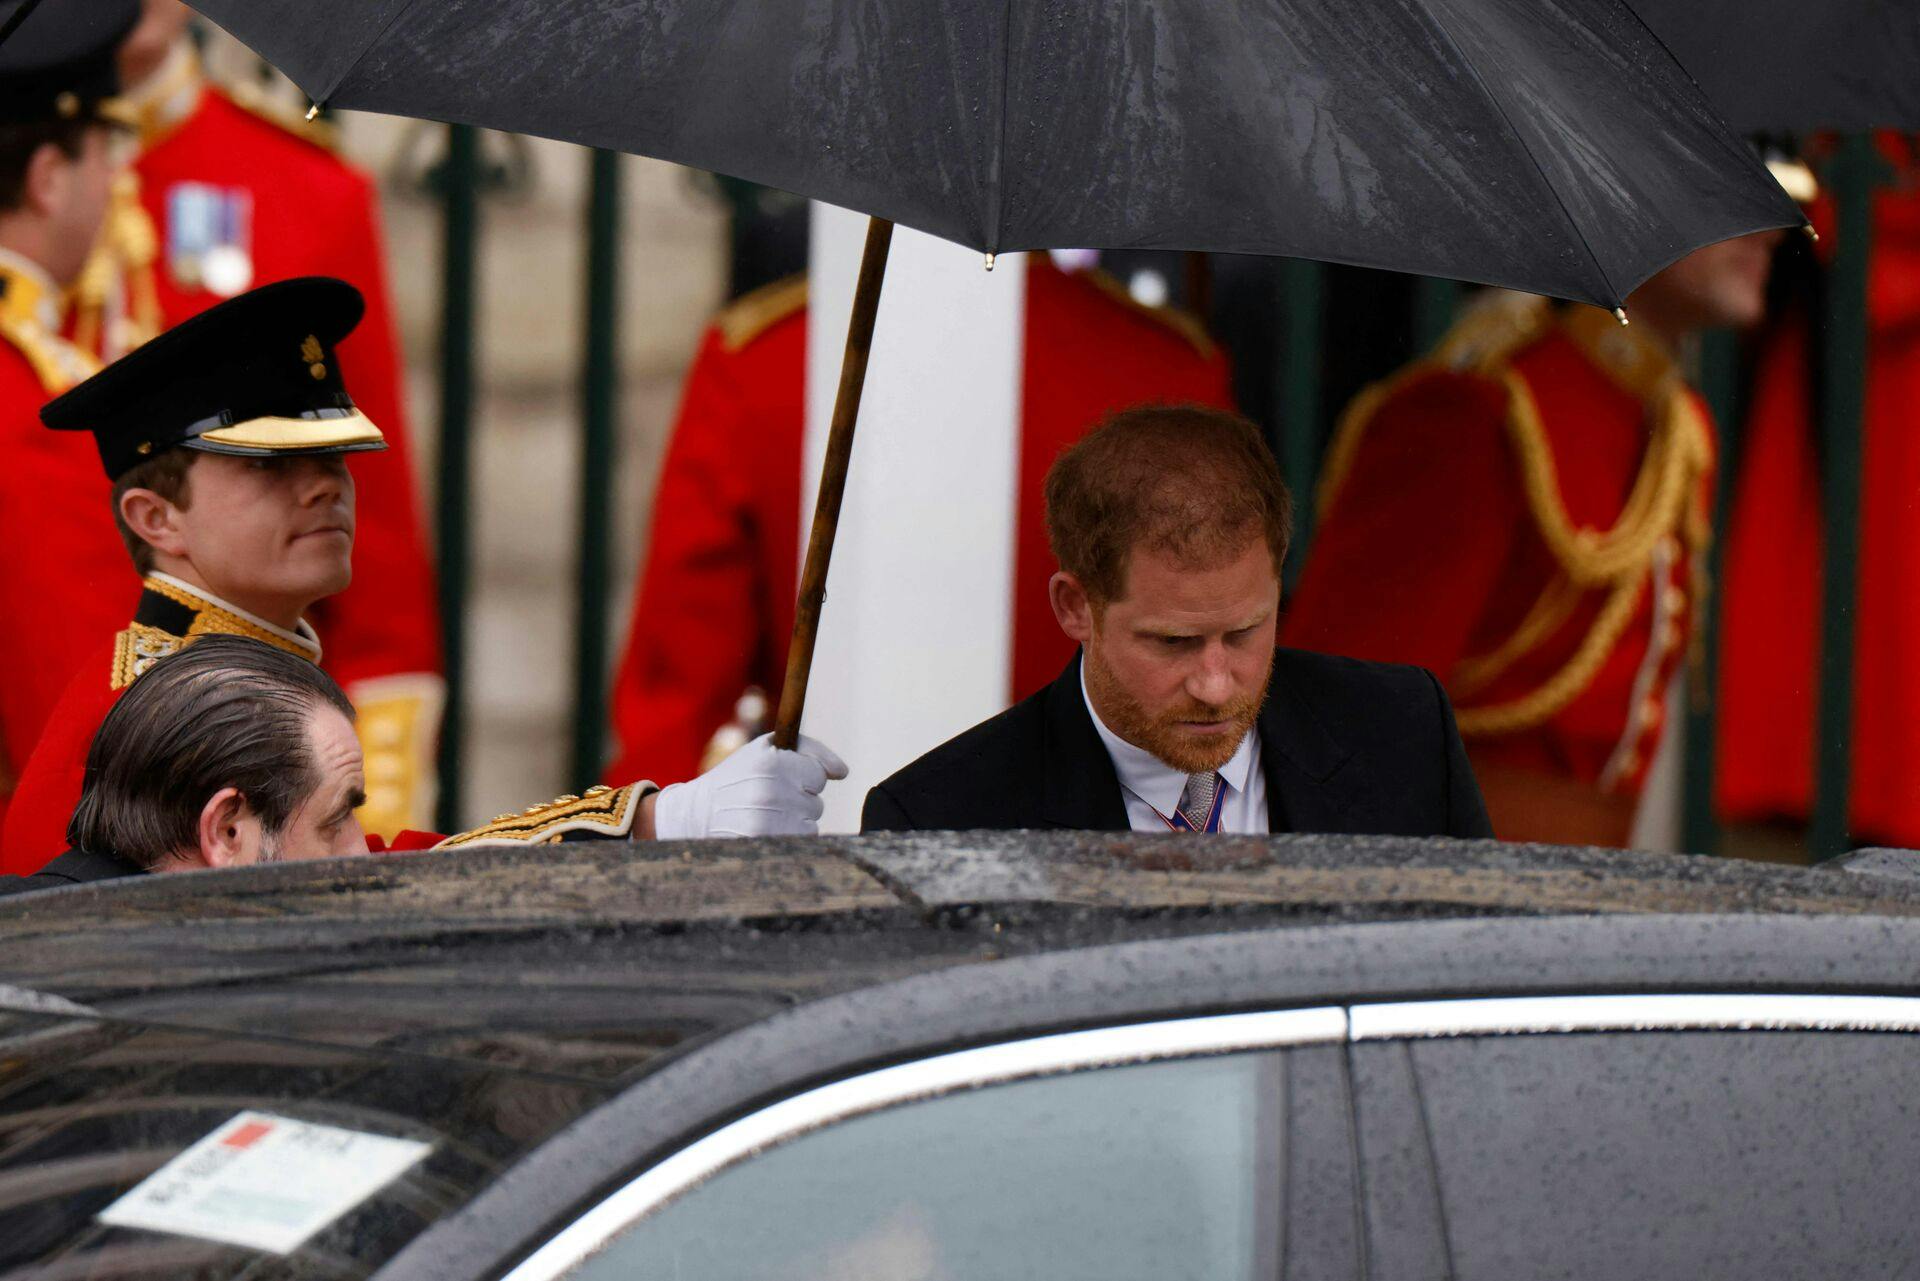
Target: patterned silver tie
(1196, 802)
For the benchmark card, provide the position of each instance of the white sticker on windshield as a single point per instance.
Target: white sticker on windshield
(264, 1182)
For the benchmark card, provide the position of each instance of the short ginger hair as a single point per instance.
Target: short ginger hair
(1189, 482)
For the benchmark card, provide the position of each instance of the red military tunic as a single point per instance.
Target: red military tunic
(1770, 637)
(170, 614)
(227, 187)
(716, 598)
(1523, 516)
(36, 364)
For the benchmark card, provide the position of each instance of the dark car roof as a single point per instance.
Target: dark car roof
(506, 955)
(547, 1016)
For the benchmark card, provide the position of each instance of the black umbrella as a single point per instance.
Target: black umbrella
(1796, 66)
(1545, 145)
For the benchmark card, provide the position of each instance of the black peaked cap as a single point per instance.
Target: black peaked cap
(58, 64)
(256, 375)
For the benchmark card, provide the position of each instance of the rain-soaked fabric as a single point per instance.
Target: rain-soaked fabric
(1547, 145)
(1794, 66)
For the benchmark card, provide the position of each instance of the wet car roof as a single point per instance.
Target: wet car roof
(490, 1001)
(595, 959)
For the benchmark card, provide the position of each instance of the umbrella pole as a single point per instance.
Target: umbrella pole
(833, 483)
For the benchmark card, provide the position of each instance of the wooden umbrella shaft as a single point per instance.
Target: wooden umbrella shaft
(833, 483)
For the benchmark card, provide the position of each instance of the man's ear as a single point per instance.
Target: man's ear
(154, 520)
(1071, 607)
(226, 825)
(49, 172)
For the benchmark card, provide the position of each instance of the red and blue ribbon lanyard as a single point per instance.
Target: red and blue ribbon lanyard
(1178, 823)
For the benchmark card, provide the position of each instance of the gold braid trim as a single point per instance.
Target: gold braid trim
(209, 619)
(1665, 503)
(602, 812)
(1554, 607)
(754, 312)
(1677, 453)
(1565, 685)
(116, 299)
(1491, 328)
(136, 649)
(57, 363)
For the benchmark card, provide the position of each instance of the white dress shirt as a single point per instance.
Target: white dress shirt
(1151, 788)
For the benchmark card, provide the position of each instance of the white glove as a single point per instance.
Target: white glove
(758, 791)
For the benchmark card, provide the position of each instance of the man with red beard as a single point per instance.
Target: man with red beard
(1170, 525)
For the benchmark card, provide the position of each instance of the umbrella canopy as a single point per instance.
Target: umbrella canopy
(1546, 145)
(1789, 66)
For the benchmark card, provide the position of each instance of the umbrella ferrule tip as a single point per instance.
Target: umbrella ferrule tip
(313, 111)
(1811, 233)
(1620, 314)
(990, 258)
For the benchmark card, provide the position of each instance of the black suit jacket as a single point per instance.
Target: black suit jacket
(75, 867)
(1346, 746)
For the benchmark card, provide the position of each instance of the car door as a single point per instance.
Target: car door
(1694, 1136)
(1216, 1148)
(1678, 1135)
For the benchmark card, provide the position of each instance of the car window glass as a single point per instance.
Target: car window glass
(91, 1108)
(1159, 1172)
(1700, 1155)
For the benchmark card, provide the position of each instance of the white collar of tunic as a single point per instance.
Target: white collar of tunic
(304, 639)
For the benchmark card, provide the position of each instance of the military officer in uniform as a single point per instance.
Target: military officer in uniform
(59, 145)
(714, 607)
(1525, 514)
(225, 441)
(228, 191)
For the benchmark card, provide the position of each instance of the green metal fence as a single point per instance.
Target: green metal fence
(460, 194)
(599, 399)
(1843, 414)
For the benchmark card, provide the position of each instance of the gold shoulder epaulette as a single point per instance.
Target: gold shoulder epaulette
(603, 813)
(1492, 326)
(753, 313)
(57, 363)
(1482, 339)
(138, 648)
(1184, 323)
(255, 100)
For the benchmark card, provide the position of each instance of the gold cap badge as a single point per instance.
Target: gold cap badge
(312, 353)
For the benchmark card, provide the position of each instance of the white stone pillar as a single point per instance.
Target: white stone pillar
(916, 637)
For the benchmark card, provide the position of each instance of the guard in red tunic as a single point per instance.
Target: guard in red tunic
(57, 86)
(1769, 653)
(1525, 514)
(219, 443)
(230, 191)
(714, 609)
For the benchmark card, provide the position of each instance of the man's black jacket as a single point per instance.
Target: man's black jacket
(75, 867)
(1346, 747)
